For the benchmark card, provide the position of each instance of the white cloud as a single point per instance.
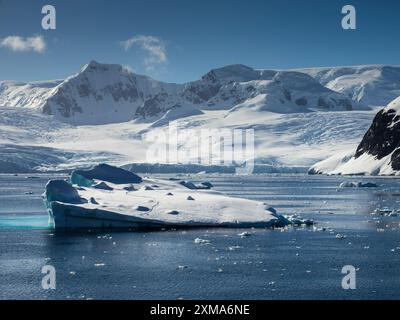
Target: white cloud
(17, 43)
(155, 48)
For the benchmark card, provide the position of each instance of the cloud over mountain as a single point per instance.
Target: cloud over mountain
(153, 46)
(20, 44)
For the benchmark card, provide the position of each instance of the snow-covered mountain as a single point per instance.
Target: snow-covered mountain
(98, 94)
(107, 93)
(100, 114)
(377, 154)
(29, 95)
(237, 86)
(372, 85)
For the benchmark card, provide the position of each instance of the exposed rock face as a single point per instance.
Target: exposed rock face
(377, 154)
(383, 137)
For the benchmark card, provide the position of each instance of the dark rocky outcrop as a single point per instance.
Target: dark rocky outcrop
(383, 138)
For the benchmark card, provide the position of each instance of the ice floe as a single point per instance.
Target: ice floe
(387, 212)
(296, 220)
(201, 241)
(351, 184)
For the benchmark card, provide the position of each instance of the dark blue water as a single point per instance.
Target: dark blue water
(297, 263)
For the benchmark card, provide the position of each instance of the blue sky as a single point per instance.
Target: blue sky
(180, 40)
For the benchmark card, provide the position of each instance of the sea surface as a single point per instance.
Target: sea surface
(290, 263)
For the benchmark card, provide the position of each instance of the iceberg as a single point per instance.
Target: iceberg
(351, 184)
(107, 197)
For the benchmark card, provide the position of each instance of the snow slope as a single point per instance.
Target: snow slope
(377, 154)
(28, 95)
(281, 140)
(372, 85)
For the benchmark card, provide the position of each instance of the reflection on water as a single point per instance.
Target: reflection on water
(24, 222)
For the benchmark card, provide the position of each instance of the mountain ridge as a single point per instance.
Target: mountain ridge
(109, 93)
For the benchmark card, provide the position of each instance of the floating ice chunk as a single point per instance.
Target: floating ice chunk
(351, 184)
(201, 241)
(244, 234)
(386, 212)
(295, 220)
(348, 184)
(103, 172)
(99, 264)
(182, 267)
(340, 236)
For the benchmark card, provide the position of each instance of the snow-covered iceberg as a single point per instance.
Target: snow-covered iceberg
(96, 199)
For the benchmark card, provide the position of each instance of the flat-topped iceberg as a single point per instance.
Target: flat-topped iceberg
(108, 197)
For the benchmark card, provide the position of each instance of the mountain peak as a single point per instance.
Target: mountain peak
(394, 105)
(94, 66)
(93, 63)
(233, 72)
